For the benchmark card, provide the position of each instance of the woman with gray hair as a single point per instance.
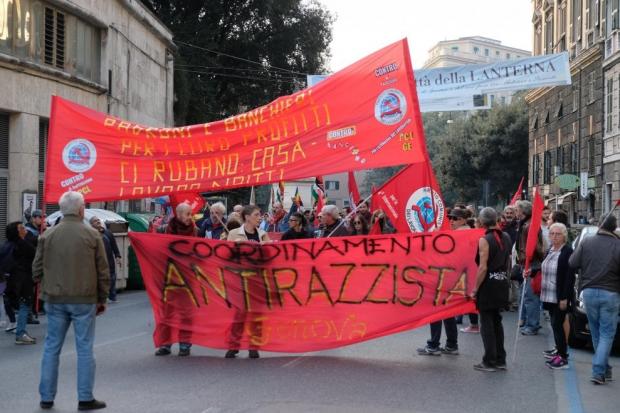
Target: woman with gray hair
(491, 291)
(558, 281)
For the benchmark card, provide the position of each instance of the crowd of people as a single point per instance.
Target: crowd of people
(71, 266)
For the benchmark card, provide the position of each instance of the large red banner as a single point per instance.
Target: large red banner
(412, 200)
(364, 116)
(305, 295)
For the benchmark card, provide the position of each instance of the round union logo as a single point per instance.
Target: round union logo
(390, 107)
(79, 155)
(422, 213)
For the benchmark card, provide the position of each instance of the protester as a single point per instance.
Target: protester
(234, 222)
(20, 286)
(380, 222)
(35, 226)
(213, 226)
(112, 253)
(359, 225)
(297, 228)
(333, 225)
(363, 210)
(510, 223)
(181, 224)
(458, 221)
(544, 226)
(491, 291)
(277, 214)
(70, 262)
(558, 281)
(598, 259)
(249, 231)
(530, 316)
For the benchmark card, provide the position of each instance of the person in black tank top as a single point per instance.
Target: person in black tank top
(492, 289)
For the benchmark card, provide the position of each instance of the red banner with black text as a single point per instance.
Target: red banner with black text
(364, 116)
(305, 295)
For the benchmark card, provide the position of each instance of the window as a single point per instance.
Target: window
(548, 34)
(576, 20)
(538, 39)
(575, 97)
(591, 156)
(476, 50)
(547, 167)
(614, 6)
(4, 173)
(591, 87)
(574, 160)
(535, 169)
(608, 196)
(560, 111)
(559, 161)
(454, 48)
(486, 52)
(36, 31)
(608, 106)
(497, 53)
(561, 43)
(332, 185)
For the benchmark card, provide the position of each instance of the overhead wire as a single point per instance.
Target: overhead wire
(266, 79)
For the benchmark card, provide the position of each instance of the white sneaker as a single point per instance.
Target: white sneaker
(10, 328)
(25, 339)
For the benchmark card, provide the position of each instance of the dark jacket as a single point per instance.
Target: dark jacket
(292, 234)
(216, 229)
(598, 258)
(340, 232)
(20, 283)
(177, 227)
(111, 249)
(70, 263)
(494, 290)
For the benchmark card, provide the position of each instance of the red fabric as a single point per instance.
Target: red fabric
(353, 120)
(304, 295)
(319, 206)
(375, 229)
(195, 200)
(536, 283)
(354, 193)
(534, 229)
(407, 201)
(517, 196)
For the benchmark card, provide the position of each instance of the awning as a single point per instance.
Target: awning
(563, 196)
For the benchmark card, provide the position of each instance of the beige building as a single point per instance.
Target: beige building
(113, 56)
(474, 50)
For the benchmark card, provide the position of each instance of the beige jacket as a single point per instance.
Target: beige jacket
(71, 264)
(238, 234)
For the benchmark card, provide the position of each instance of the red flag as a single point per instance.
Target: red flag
(298, 200)
(195, 200)
(534, 229)
(376, 228)
(412, 200)
(517, 196)
(281, 191)
(319, 206)
(354, 193)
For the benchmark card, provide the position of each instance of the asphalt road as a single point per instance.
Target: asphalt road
(383, 375)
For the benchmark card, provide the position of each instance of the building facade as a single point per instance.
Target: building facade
(471, 51)
(113, 56)
(568, 123)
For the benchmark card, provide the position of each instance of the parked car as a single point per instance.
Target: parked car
(579, 335)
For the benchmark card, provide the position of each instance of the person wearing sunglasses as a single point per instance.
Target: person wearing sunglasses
(359, 225)
(297, 227)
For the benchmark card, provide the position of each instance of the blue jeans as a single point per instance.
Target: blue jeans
(602, 308)
(112, 293)
(531, 308)
(59, 317)
(22, 318)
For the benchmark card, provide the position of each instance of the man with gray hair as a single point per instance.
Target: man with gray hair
(73, 270)
(491, 290)
(332, 223)
(598, 258)
(214, 226)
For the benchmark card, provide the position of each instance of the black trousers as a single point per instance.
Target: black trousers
(492, 333)
(451, 333)
(557, 325)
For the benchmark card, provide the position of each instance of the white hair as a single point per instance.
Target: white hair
(71, 202)
(331, 210)
(182, 207)
(562, 229)
(219, 207)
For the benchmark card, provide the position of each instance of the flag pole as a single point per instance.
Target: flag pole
(350, 214)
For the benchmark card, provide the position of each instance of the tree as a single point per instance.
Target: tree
(234, 55)
(489, 145)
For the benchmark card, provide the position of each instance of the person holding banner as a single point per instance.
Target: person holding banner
(333, 226)
(181, 224)
(213, 226)
(492, 289)
(297, 228)
(248, 232)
